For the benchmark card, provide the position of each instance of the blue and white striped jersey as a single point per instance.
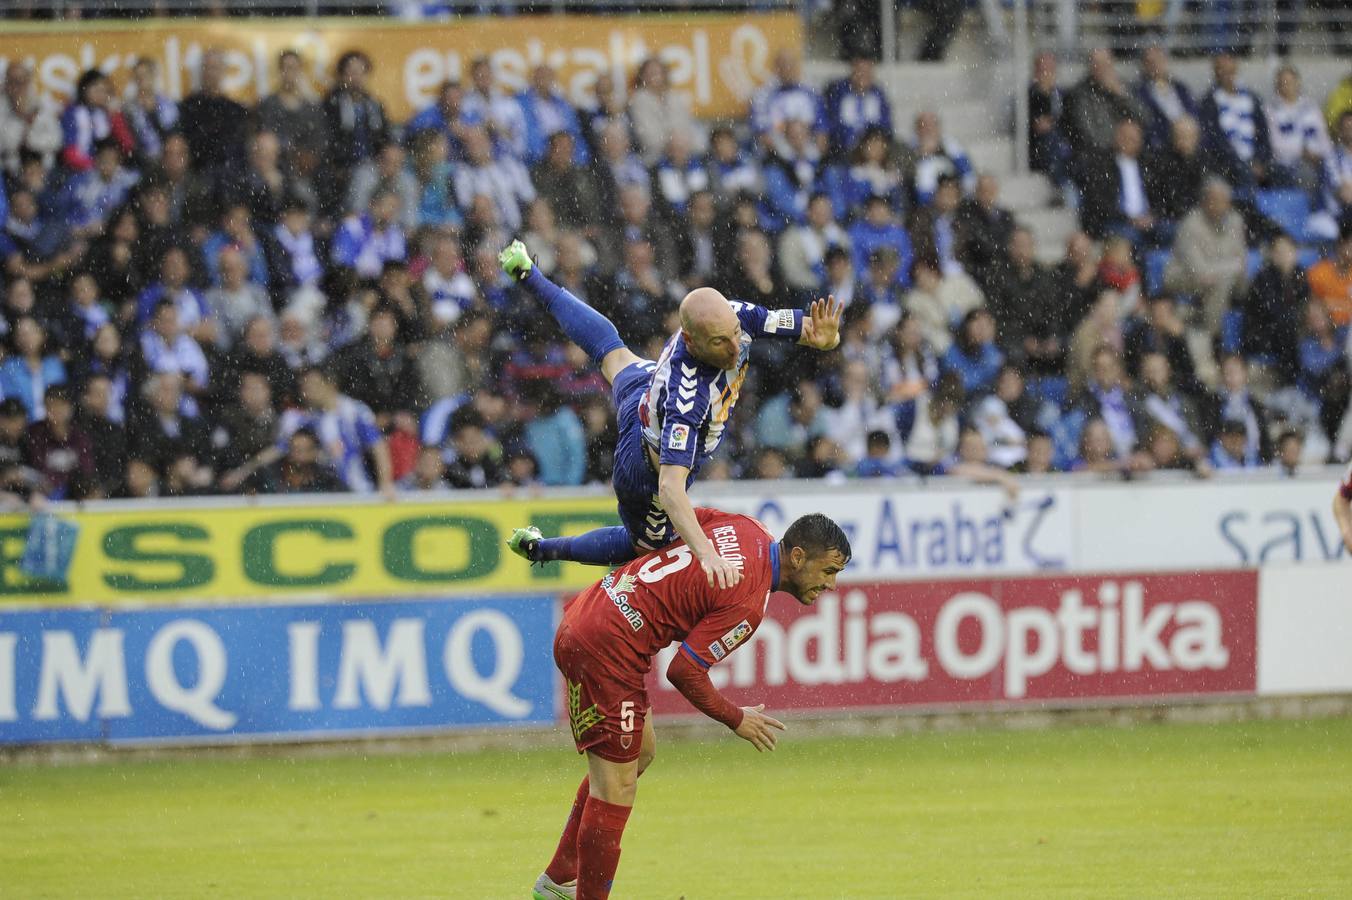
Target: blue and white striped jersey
(688, 402)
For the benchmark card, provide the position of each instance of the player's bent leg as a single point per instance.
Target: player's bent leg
(616, 361)
(586, 327)
(598, 547)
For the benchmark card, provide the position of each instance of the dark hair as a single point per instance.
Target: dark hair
(348, 57)
(87, 80)
(817, 534)
(835, 252)
(57, 392)
(878, 440)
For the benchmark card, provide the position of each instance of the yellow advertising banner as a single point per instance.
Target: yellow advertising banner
(168, 554)
(717, 59)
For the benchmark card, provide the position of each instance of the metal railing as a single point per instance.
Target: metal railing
(1196, 27)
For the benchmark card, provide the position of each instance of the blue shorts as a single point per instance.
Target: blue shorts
(634, 479)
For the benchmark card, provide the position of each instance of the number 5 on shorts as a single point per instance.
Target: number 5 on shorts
(627, 716)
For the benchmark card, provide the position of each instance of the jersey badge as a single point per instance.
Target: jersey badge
(737, 635)
(680, 436)
(716, 650)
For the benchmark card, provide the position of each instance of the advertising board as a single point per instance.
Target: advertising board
(995, 641)
(294, 672)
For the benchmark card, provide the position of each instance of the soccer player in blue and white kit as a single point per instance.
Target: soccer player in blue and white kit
(671, 413)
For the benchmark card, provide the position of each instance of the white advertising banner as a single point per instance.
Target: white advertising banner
(1203, 525)
(905, 533)
(1305, 629)
(903, 530)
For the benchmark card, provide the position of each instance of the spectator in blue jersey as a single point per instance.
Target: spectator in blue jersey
(678, 175)
(193, 313)
(166, 348)
(1231, 450)
(937, 156)
(877, 462)
(236, 232)
(731, 170)
(447, 115)
(679, 404)
(879, 228)
(1164, 98)
(1105, 397)
(89, 119)
(292, 253)
(793, 173)
(974, 356)
(1235, 401)
(1299, 135)
(495, 110)
(31, 368)
(874, 168)
(787, 99)
(85, 313)
(88, 198)
(547, 112)
(1235, 128)
(347, 433)
(364, 243)
(503, 180)
(854, 105)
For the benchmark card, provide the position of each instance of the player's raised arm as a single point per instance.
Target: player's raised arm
(821, 324)
(671, 482)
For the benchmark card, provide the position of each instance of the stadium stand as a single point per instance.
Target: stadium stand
(200, 297)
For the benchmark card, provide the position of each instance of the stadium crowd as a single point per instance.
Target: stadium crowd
(201, 297)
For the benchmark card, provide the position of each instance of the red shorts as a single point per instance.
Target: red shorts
(605, 714)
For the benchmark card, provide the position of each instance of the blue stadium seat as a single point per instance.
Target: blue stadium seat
(1232, 330)
(1254, 263)
(1308, 256)
(1289, 209)
(1155, 261)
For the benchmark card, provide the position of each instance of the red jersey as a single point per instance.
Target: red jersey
(663, 597)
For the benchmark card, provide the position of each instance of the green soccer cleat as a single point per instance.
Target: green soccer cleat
(515, 260)
(546, 889)
(524, 541)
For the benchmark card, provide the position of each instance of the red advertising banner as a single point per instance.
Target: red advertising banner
(1007, 640)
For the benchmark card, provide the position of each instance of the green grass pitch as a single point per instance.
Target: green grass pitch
(1257, 809)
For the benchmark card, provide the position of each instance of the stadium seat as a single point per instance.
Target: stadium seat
(1155, 262)
(1232, 330)
(1308, 256)
(1289, 209)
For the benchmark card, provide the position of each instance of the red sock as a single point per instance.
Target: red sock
(563, 867)
(598, 848)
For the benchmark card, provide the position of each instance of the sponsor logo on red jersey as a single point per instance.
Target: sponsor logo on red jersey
(737, 635)
(618, 590)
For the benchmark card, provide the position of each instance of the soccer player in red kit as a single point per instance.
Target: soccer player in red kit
(605, 645)
(1342, 508)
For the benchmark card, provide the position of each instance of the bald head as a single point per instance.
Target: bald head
(711, 327)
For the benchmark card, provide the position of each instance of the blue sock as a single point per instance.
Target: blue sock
(584, 326)
(601, 547)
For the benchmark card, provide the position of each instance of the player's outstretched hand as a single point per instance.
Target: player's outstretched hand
(721, 573)
(757, 728)
(821, 324)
